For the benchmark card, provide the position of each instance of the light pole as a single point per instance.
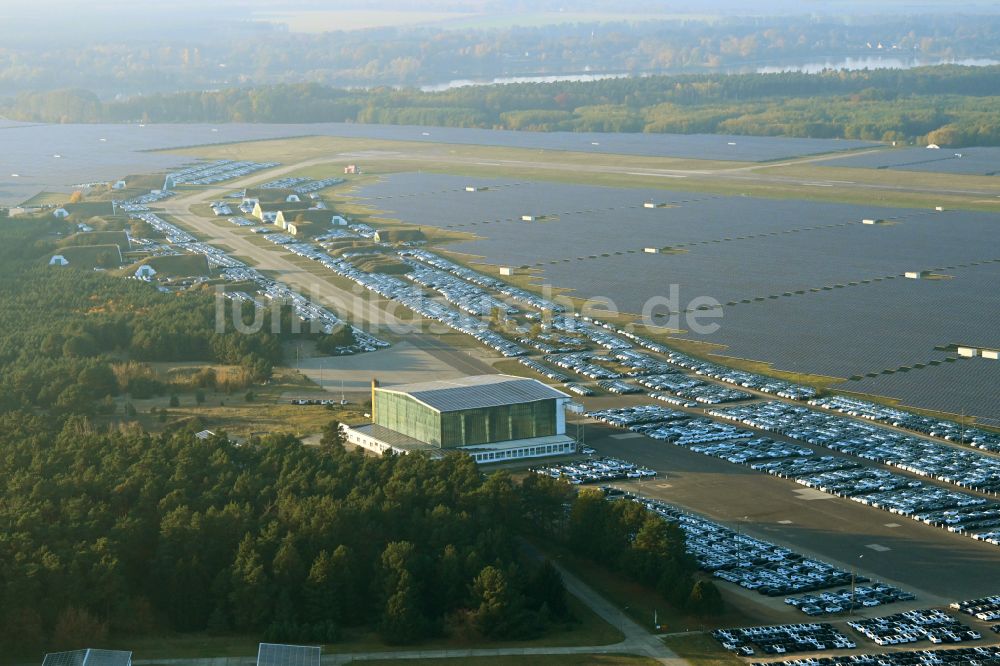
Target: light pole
(739, 541)
(854, 581)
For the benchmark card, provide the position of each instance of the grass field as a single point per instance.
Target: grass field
(700, 649)
(269, 412)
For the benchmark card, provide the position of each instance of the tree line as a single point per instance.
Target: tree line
(126, 533)
(948, 105)
(131, 533)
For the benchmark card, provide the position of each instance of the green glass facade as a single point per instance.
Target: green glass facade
(481, 425)
(402, 413)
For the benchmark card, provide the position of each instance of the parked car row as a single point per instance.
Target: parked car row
(671, 399)
(141, 203)
(321, 318)
(216, 257)
(283, 183)
(787, 578)
(977, 656)
(990, 536)
(751, 563)
(334, 234)
(362, 230)
(913, 626)
(693, 389)
(611, 337)
(579, 389)
(172, 233)
(863, 596)
(412, 296)
(624, 417)
(744, 452)
(216, 172)
(543, 370)
(580, 363)
(914, 502)
(280, 239)
(961, 467)
(781, 639)
(640, 363)
(750, 380)
(796, 467)
(463, 295)
(545, 347)
(313, 401)
(949, 430)
(618, 387)
(516, 294)
(856, 481)
(599, 333)
(694, 431)
(243, 297)
(316, 185)
(600, 470)
(221, 208)
(307, 250)
(241, 222)
(986, 609)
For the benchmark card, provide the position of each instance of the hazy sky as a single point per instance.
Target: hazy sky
(71, 22)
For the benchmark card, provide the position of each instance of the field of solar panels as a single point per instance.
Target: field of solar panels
(970, 387)
(806, 286)
(979, 161)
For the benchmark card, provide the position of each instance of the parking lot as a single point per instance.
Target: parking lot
(986, 609)
(782, 638)
(978, 656)
(858, 597)
(915, 626)
(936, 565)
(217, 172)
(899, 418)
(595, 470)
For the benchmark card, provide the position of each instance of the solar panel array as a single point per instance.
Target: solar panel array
(803, 285)
(968, 386)
(968, 161)
(276, 654)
